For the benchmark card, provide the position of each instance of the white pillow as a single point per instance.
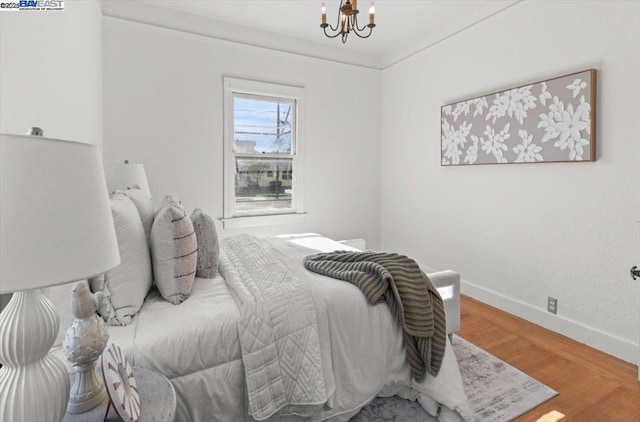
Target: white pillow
(145, 209)
(125, 286)
(174, 251)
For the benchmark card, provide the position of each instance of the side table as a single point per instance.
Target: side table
(157, 400)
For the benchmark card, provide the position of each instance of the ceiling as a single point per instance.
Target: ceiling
(403, 27)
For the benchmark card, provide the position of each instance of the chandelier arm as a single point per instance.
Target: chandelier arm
(331, 27)
(331, 36)
(364, 36)
(355, 25)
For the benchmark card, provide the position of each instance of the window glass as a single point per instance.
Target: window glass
(263, 126)
(263, 167)
(258, 192)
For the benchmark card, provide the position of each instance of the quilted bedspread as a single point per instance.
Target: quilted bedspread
(278, 331)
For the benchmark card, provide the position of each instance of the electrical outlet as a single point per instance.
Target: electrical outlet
(552, 305)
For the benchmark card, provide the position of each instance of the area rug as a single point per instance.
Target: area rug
(497, 391)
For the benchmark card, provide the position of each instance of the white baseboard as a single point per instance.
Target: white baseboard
(607, 343)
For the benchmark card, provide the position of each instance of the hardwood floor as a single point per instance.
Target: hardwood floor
(592, 385)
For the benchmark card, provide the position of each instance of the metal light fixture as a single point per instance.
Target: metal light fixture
(348, 21)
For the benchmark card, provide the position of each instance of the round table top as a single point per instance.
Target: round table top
(157, 400)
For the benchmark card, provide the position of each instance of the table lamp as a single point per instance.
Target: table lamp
(55, 227)
(125, 175)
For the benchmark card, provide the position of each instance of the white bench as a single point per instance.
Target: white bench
(448, 285)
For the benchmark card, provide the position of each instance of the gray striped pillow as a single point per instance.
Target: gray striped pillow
(174, 252)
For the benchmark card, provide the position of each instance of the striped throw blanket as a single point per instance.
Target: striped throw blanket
(411, 297)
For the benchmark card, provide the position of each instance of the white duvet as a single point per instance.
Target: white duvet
(196, 345)
(363, 346)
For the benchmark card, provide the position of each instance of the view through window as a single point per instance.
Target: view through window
(264, 152)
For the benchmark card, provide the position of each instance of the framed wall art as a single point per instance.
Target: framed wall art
(547, 121)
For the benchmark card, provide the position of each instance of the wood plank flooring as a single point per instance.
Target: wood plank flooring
(593, 386)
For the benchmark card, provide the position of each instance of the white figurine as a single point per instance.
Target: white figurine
(83, 344)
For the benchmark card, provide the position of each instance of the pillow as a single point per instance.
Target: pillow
(125, 287)
(145, 209)
(208, 246)
(174, 251)
(169, 200)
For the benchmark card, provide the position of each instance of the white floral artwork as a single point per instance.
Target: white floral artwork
(585, 108)
(514, 102)
(544, 95)
(527, 151)
(472, 152)
(517, 125)
(461, 108)
(480, 104)
(495, 143)
(453, 141)
(576, 86)
(567, 125)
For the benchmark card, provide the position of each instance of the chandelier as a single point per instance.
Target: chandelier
(347, 21)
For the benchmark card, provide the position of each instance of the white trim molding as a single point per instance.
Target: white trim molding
(262, 220)
(605, 342)
(233, 86)
(170, 19)
(173, 19)
(263, 88)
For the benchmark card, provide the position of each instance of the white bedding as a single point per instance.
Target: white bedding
(195, 344)
(365, 346)
(277, 329)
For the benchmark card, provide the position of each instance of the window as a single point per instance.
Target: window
(263, 164)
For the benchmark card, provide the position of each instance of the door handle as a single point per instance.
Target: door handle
(635, 272)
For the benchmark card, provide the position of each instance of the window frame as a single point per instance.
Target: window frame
(268, 91)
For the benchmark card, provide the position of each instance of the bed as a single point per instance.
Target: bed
(200, 345)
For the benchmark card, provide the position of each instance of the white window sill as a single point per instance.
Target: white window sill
(262, 220)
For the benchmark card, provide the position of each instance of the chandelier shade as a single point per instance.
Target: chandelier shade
(347, 22)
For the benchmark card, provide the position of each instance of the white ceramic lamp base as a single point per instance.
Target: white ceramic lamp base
(34, 386)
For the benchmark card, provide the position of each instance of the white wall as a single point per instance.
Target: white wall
(51, 77)
(518, 233)
(51, 72)
(163, 107)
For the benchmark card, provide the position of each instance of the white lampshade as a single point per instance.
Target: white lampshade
(125, 175)
(55, 227)
(55, 217)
